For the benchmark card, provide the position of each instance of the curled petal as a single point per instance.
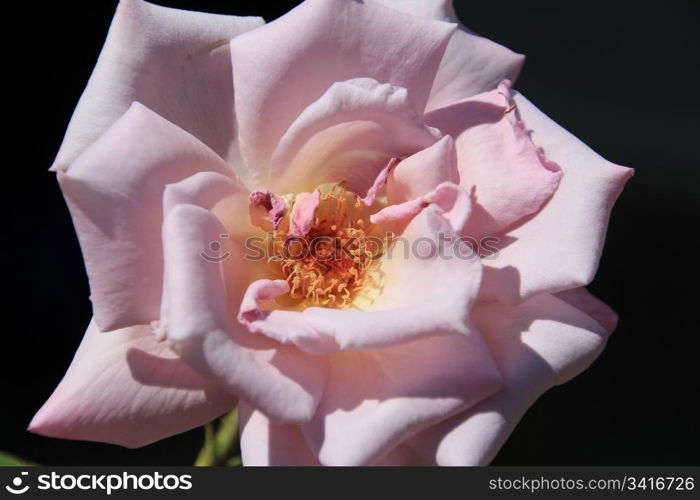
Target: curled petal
(284, 66)
(349, 134)
(223, 196)
(204, 189)
(422, 172)
(282, 381)
(379, 182)
(497, 160)
(303, 212)
(449, 200)
(286, 327)
(560, 247)
(266, 209)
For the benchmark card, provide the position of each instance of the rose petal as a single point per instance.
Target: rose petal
(266, 209)
(497, 161)
(375, 400)
(471, 64)
(226, 198)
(404, 456)
(422, 172)
(204, 189)
(173, 61)
(349, 134)
(286, 327)
(222, 195)
(379, 182)
(560, 247)
(281, 68)
(282, 381)
(303, 212)
(450, 201)
(540, 343)
(582, 299)
(114, 192)
(126, 388)
(264, 443)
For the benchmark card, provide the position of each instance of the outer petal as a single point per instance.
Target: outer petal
(375, 400)
(264, 443)
(281, 381)
(126, 388)
(560, 247)
(582, 299)
(540, 343)
(349, 133)
(497, 161)
(286, 65)
(175, 62)
(471, 64)
(428, 290)
(404, 456)
(442, 10)
(114, 191)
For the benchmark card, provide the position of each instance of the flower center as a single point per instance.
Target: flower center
(336, 264)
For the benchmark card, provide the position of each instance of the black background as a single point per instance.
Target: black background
(622, 76)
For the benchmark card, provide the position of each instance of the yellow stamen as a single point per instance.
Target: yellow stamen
(338, 261)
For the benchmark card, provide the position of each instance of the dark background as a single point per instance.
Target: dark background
(622, 76)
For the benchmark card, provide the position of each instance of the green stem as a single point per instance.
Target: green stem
(207, 455)
(220, 442)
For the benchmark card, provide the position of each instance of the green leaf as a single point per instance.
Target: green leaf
(9, 460)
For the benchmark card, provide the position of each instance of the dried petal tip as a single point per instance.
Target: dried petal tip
(266, 209)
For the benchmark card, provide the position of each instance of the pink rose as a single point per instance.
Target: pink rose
(351, 119)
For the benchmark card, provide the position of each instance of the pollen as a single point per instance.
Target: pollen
(337, 264)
